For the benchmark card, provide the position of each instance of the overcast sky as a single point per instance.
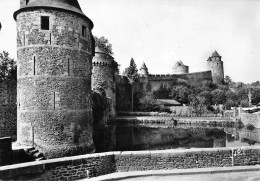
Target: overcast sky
(161, 32)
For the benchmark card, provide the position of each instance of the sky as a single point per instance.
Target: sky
(162, 32)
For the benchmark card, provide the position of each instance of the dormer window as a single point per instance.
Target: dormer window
(45, 22)
(84, 29)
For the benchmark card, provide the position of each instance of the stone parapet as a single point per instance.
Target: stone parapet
(87, 166)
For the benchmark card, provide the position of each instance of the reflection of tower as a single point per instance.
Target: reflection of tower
(215, 64)
(249, 98)
(180, 68)
(55, 51)
(103, 76)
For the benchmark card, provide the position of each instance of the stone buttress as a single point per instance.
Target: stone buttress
(55, 51)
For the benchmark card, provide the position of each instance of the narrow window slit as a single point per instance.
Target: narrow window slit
(68, 66)
(34, 64)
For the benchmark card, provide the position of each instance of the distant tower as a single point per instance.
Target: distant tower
(180, 68)
(144, 71)
(215, 64)
(103, 76)
(55, 51)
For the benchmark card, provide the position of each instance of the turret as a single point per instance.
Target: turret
(215, 65)
(180, 68)
(144, 70)
(55, 51)
(103, 76)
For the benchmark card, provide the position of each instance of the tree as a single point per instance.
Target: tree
(227, 80)
(132, 72)
(218, 96)
(104, 44)
(8, 67)
(180, 93)
(206, 98)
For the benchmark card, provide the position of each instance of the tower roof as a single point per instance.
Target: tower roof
(215, 54)
(209, 59)
(69, 5)
(99, 50)
(179, 63)
(143, 66)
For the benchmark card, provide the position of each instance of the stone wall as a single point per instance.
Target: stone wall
(54, 82)
(5, 151)
(87, 166)
(123, 94)
(248, 118)
(8, 109)
(103, 76)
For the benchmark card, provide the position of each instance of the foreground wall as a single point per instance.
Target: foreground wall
(87, 166)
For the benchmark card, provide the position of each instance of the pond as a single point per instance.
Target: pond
(132, 137)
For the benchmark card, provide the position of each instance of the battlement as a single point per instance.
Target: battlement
(191, 76)
(101, 63)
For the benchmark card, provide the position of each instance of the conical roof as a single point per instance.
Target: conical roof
(179, 63)
(143, 66)
(70, 5)
(215, 54)
(99, 50)
(209, 59)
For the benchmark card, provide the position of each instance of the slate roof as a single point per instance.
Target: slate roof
(215, 54)
(168, 102)
(143, 66)
(70, 5)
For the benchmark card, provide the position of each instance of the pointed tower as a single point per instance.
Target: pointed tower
(103, 76)
(144, 70)
(215, 64)
(55, 51)
(180, 68)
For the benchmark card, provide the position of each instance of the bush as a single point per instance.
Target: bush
(164, 109)
(250, 127)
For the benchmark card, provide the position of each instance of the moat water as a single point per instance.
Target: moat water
(129, 137)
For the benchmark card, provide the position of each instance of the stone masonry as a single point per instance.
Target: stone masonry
(103, 77)
(55, 51)
(92, 165)
(8, 113)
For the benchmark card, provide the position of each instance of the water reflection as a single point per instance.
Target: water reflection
(129, 137)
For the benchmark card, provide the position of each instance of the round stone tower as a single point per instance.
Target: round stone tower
(215, 64)
(103, 76)
(144, 71)
(180, 68)
(55, 51)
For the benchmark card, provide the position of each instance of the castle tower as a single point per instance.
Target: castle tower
(55, 51)
(180, 68)
(103, 76)
(144, 71)
(215, 64)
